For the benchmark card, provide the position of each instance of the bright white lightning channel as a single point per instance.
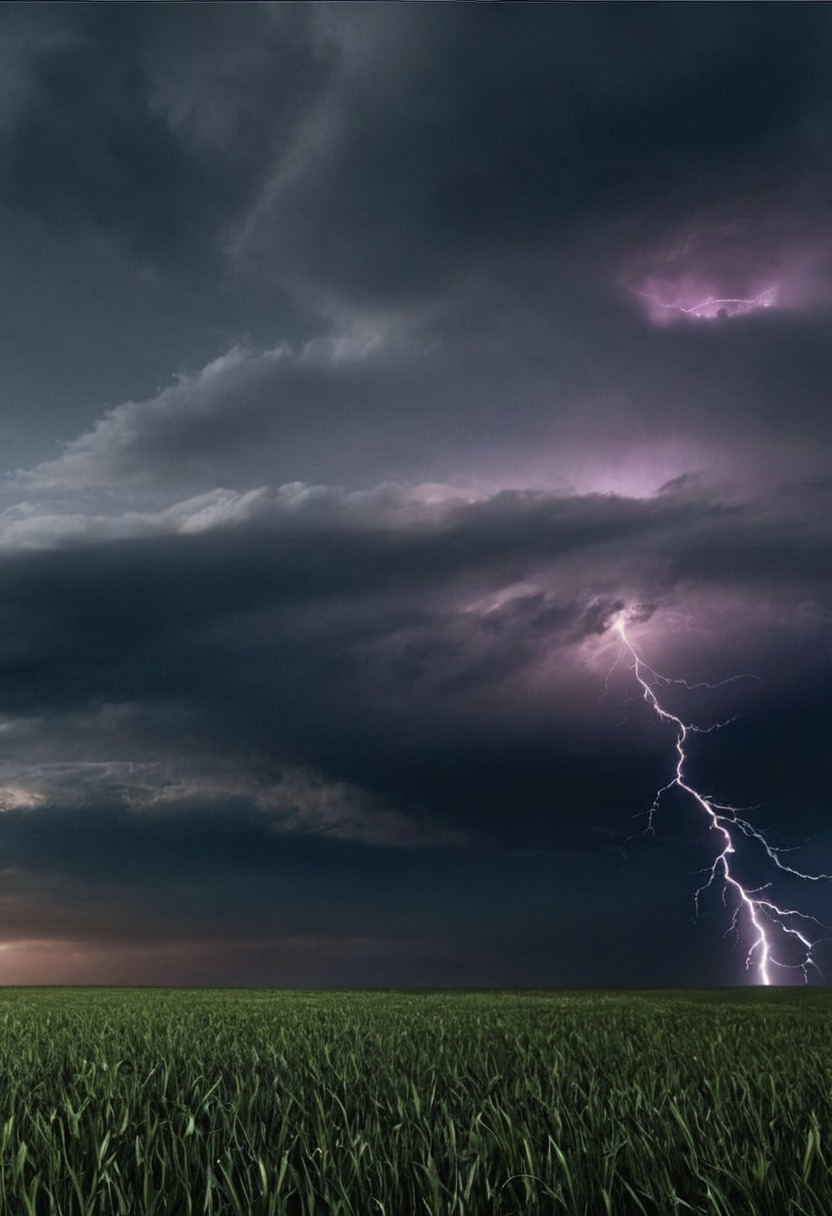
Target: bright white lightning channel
(763, 920)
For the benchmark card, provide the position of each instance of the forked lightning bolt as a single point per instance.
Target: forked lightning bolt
(765, 922)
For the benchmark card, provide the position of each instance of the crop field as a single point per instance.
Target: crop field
(248, 1102)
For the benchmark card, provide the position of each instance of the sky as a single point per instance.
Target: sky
(364, 368)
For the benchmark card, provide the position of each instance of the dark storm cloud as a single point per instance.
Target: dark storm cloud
(531, 405)
(507, 128)
(306, 547)
(513, 128)
(147, 125)
(130, 139)
(395, 659)
(505, 218)
(354, 381)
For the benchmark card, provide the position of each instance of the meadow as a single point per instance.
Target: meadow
(263, 1103)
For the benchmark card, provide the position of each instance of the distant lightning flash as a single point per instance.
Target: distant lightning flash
(713, 306)
(765, 921)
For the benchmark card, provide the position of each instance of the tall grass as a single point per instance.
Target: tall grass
(251, 1103)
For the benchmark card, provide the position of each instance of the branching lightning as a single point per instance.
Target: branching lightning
(766, 923)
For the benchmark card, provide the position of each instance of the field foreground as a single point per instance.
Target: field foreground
(165, 1102)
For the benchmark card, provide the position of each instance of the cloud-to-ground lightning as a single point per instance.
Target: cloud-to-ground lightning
(767, 924)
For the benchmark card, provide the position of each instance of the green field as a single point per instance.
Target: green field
(252, 1102)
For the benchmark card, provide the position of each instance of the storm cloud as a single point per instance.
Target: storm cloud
(364, 364)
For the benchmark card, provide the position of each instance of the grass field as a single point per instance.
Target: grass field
(164, 1102)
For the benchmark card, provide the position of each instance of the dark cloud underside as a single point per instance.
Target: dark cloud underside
(361, 364)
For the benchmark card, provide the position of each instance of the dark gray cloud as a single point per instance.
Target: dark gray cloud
(363, 363)
(157, 129)
(514, 130)
(308, 637)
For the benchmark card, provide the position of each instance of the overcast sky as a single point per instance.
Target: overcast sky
(362, 364)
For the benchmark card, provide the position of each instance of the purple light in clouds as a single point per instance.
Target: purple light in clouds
(666, 302)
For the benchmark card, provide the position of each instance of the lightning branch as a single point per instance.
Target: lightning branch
(755, 915)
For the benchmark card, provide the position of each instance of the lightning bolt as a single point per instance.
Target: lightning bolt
(766, 922)
(710, 307)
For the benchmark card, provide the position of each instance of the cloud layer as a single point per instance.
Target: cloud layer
(362, 369)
